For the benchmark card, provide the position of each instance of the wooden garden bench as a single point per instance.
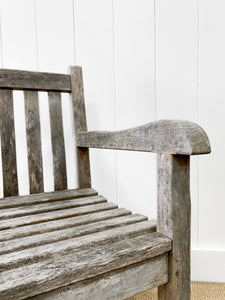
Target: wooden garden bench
(73, 244)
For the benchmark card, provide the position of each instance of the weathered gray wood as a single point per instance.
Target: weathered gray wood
(58, 148)
(74, 245)
(45, 197)
(174, 136)
(22, 80)
(174, 217)
(79, 113)
(33, 142)
(85, 245)
(55, 215)
(8, 145)
(65, 234)
(28, 230)
(115, 285)
(60, 269)
(27, 210)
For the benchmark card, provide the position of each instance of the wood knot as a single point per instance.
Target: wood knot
(30, 120)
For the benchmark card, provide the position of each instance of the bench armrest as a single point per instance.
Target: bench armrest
(173, 136)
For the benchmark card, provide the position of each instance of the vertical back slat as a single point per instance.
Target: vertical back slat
(83, 162)
(33, 142)
(58, 148)
(8, 145)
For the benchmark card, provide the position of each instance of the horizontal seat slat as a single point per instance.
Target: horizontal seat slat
(29, 230)
(117, 284)
(41, 81)
(60, 269)
(64, 234)
(45, 197)
(55, 215)
(47, 207)
(28, 256)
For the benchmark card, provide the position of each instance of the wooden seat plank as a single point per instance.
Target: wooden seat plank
(45, 197)
(60, 270)
(55, 215)
(47, 207)
(117, 284)
(28, 256)
(72, 232)
(28, 230)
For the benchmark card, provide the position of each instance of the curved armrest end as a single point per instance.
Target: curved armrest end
(196, 137)
(176, 137)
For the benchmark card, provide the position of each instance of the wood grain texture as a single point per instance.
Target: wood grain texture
(60, 269)
(38, 228)
(58, 147)
(174, 219)
(55, 215)
(175, 136)
(33, 142)
(65, 234)
(79, 113)
(115, 285)
(47, 207)
(74, 245)
(8, 145)
(45, 197)
(21, 80)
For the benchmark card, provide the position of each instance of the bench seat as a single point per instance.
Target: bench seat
(73, 238)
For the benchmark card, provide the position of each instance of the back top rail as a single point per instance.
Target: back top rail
(28, 80)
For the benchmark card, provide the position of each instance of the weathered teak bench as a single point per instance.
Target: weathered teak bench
(73, 244)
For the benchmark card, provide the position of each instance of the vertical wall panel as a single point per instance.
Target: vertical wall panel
(19, 52)
(55, 37)
(18, 34)
(94, 52)
(212, 109)
(177, 74)
(135, 99)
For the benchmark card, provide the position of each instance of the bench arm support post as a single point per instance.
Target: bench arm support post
(174, 141)
(174, 221)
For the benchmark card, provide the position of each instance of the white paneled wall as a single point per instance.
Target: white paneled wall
(94, 48)
(177, 75)
(135, 99)
(142, 60)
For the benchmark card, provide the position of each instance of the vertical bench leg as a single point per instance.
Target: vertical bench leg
(174, 213)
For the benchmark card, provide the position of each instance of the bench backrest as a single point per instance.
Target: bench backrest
(54, 85)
